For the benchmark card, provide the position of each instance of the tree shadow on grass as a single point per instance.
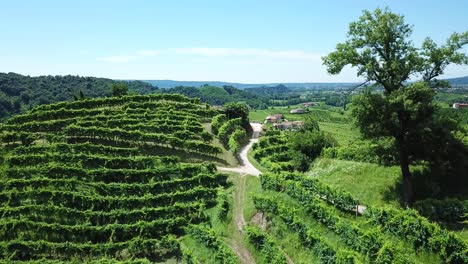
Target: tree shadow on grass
(394, 193)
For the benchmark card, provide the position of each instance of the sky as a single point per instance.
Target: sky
(237, 41)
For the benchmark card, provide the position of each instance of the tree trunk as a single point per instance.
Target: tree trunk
(408, 194)
(401, 139)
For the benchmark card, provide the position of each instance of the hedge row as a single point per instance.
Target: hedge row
(309, 237)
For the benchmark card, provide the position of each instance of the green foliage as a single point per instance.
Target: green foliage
(118, 89)
(237, 138)
(367, 242)
(309, 238)
(228, 128)
(289, 151)
(222, 205)
(208, 238)
(380, 152)
(422, 233)
(311, 124)
(238, 110)
(20, 93)
(220, 95)
(266, 244)
(78, 183)
(216, 122)
(379, 47)
(448, 209)
(310, 143)
(387, 255)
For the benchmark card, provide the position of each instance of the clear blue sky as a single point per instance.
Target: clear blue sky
(241, 41)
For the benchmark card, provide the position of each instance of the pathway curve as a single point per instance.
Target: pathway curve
(246, 167)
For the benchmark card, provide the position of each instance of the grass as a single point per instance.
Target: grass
(371, 184)
(331, 121)
(223, 228)
(252, 187)
(344, 133)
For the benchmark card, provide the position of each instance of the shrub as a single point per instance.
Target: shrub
(449, 209)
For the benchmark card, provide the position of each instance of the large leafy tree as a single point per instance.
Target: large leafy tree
(379, 46)
(119, 89)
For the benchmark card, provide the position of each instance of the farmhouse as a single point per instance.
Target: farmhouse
(309, 104)
(293, 125)
(460, 105)
(273, 118)
(297, 111)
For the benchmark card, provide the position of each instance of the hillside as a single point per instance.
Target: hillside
(19, 93)
(305, 85)
(458, 81)
(220, 95)
(92, 181)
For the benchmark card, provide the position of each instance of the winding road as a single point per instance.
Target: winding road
(245, 166)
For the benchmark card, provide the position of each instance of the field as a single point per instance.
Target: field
(134, 180)
(92, 179)
(370, 184)
(331, 120)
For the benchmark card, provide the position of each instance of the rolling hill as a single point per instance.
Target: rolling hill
(92, 181)
(19, 93)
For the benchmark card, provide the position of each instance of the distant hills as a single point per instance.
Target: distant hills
(19, 93)
(458, 81)
(172, 84)
(307, 85)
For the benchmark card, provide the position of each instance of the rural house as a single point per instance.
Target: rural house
(460, 105)
(293, 125)
(273, 118)
(297, 111)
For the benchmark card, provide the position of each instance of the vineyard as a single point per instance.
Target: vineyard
(88, 181)
(327, 222)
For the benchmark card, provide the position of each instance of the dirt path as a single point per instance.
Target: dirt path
(246, 167)
(236, 242)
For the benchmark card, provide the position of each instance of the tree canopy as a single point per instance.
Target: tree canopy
(119, 89)
(18, 93)
(380, 48)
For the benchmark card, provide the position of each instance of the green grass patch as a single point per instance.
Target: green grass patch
(370, 183)
(252, 187)
(344, 133)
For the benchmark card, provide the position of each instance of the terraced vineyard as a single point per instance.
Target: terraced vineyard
(90, 181)
(326, 222)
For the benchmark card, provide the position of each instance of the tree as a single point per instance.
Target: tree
(310, 124)
(379, 47)
(119, 89)
(236, 110)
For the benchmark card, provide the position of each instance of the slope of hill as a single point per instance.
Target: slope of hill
(311, 85)
(458, 81)
(88, 181)
(19, 93)
(220, 95)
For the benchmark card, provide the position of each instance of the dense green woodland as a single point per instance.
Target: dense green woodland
(220, 95)
(19, 93)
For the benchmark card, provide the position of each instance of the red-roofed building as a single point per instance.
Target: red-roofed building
(460, 105)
